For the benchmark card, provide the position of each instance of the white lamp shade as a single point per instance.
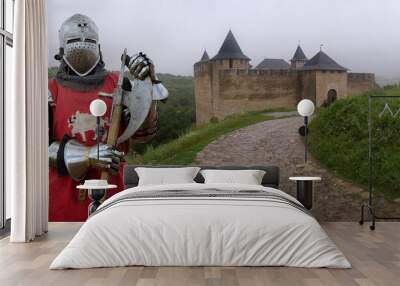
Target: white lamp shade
(305, 107)
(98, 107)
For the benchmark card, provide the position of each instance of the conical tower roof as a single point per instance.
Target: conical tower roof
(299, 55)
(205, 57)
(230, 49)
(322, 61)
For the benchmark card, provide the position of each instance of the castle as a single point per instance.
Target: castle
(227, 84)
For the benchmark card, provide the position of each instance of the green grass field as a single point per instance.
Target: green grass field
(339, 140)
(183, 150)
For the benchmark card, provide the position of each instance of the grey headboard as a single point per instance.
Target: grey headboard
(271, 177)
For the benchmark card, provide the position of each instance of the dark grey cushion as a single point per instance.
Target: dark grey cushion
(270, 179)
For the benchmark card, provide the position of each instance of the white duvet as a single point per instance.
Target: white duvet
(200, 231)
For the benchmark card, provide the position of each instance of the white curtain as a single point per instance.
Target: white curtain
(26, 124)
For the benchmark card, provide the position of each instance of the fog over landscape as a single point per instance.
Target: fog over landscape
(362, 35)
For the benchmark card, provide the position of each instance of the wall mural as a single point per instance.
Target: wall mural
(211, 117)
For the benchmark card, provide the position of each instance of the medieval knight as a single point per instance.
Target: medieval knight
(81, 77)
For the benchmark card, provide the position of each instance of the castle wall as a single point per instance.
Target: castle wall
(251, 90)
(360, 82)
(221, 91)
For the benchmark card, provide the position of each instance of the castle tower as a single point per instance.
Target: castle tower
(299, 59)
(324, 80)
(230, 55)
(203, 64)
(205, 57)
(203, 89)
(207, 78)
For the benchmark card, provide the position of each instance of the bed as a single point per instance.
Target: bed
(198, 224)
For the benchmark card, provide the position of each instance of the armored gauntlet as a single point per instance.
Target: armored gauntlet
(79, 159)
(140, 66)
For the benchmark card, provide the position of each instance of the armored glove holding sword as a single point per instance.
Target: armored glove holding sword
(131, 113)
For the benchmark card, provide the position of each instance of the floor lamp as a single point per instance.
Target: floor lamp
(305, 108)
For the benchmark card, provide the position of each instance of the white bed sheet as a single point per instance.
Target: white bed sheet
(200, 231)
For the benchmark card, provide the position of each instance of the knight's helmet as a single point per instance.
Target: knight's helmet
(79, 43)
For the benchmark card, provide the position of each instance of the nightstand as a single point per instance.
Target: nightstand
(305, 190)
(97, 191)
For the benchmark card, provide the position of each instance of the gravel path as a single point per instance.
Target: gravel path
(277, 142)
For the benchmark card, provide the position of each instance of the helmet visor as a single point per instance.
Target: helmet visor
(82, 56)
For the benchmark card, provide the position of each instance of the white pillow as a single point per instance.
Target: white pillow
(165, 176)
(248, 177)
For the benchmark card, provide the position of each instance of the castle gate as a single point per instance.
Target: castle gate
(332, 96)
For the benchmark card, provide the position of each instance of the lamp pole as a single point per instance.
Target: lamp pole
(305, 108)
(98, 108)
(98, 136)
(306, 133)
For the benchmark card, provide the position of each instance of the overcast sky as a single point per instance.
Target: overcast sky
(362, 35)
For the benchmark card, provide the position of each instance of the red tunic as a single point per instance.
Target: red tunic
(71, 116)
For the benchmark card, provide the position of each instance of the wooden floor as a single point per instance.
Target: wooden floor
(375, 257)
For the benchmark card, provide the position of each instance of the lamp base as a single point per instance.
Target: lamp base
(305, 193)
(96, 195)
